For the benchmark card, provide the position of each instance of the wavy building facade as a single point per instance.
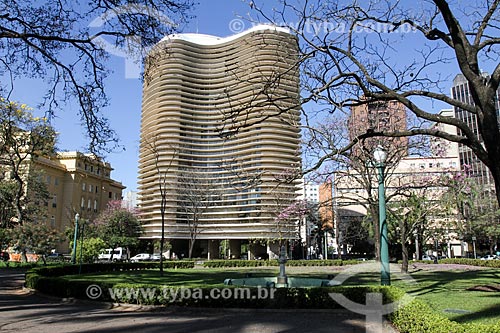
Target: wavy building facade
(220, 141)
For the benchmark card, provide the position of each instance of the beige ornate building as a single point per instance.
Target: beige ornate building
(77, 183)
(219, 125)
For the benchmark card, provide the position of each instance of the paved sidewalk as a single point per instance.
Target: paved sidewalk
(24, 311)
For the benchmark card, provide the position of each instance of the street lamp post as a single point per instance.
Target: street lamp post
(474, 246)
(75, 238)
(380, 155)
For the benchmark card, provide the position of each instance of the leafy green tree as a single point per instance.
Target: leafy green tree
(36, 237)
(23, 138)
(7, 195)
(89, 250)
(410, 215)
(118, 226)
(477, 214)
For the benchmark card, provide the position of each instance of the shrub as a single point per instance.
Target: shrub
(256, 263)
(18, 264)
(463, 261)
(61, 270)
(418, 317)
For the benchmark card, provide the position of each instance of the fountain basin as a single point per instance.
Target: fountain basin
(270, 282)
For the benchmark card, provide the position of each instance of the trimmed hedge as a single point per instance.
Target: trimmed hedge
(418, 317)
(462, 261)
(278, 298)
(60, 270)
(257, 263)
(17, 264)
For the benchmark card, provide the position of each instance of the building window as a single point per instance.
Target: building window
(53, 222)
(83, 187)
(82, 204)
(86, 166)
(54, 201)
(95, 206)
(110, 195)
(91, 168)
(88, 205)
(90, 188)
(48, 180)
(56, 181)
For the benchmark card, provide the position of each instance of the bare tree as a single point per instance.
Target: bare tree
(54, 40)
(197, 191)
(354, 171)
(162, 171)
(351, 54)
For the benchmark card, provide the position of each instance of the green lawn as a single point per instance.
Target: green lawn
(444, 291)
(176, 277)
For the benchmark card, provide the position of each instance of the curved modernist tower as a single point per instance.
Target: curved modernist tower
(220, 140)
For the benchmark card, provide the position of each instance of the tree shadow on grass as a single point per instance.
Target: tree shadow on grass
(439, 281)
(481, 315)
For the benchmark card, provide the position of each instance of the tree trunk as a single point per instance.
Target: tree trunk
(162, 240)
(112, 253)
(404, 266)
(404, 248)
(484, 97)
(337, 239)
(191, 247)
(18, 205)
(495, 171)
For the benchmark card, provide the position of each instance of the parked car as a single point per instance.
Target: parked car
(56, 257)
(156, 257)
(428, 257)
(489, 257)
(141, 257)
(118, 254)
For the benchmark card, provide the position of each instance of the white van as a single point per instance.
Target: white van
(119, 254)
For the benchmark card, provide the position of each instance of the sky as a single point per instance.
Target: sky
(125, 92)
(213, 17)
